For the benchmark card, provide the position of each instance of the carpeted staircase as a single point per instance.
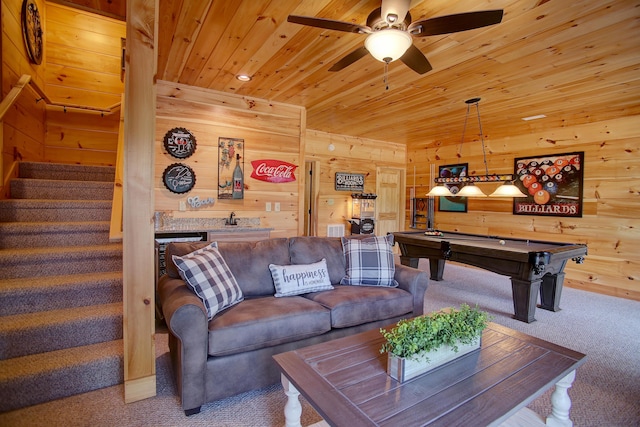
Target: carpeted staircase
(60, 285)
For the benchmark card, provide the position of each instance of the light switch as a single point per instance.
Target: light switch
(268, 207)
(183, 206)
(277, 206)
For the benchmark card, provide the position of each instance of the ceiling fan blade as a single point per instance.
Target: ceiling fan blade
(416, 60)
(454, 23)
(349, 59)
(328, 24)
(399, 8)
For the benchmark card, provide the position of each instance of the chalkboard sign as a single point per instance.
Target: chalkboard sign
(178, 178)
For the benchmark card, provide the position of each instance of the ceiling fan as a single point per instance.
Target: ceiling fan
(390, 32)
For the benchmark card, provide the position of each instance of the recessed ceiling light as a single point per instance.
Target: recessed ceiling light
(539, 116)
(243, 78)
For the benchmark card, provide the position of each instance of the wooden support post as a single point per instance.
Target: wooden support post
(138, 201)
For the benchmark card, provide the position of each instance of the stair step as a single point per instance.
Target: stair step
(40, 262)
(29, 295)
(39, 210)
(59, 171)
(38, 378)
(33, 333)
(27, 188)
(50, 234)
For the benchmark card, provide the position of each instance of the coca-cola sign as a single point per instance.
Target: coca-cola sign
(273, 171)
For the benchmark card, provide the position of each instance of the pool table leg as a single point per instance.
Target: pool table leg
(436, 268)
(525, 297)
(409, 261)
(551, 291)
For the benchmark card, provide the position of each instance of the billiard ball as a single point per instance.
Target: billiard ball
(522, 172)
(546, 162)
(545, 178)
(561, 163)
(537, 172)
(533, 165)
(534, 188)
(502, 242)
(541, 197)
(559, 178)
(528, 180)
(552, 170)
(551, 187)
(569, 172)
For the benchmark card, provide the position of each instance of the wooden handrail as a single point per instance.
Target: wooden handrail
(13, 95)
(115, 229)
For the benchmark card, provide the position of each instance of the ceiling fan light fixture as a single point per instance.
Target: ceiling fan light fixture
(388, 45)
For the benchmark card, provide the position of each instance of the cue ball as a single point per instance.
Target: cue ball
(502, 242)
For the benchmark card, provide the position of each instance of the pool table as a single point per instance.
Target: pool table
(533, 266)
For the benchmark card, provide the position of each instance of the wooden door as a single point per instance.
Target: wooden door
(390, 207)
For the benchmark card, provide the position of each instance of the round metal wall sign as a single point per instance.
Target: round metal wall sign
(180, 143)
(178, 178)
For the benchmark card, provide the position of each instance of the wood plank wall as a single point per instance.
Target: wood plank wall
(83, 67)
(269, 130)
(23, 126)
(610, 224)
(350, 154)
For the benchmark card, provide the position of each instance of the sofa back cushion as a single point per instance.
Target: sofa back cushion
(307, 250)
(247, 261)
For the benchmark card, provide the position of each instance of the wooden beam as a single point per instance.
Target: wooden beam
(138, 201)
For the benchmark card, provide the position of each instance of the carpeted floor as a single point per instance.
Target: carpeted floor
(606, 392)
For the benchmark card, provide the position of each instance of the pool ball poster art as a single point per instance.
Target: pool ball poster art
(456, 203)
(553, 185)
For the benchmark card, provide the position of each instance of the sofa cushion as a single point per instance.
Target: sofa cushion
(249, 263)
(266, 321)
(307, 249)
(355, 305)
(369, 261)
(208, 275)
(299, 279)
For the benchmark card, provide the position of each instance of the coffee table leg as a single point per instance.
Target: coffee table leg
(292, 409)
(561, 403)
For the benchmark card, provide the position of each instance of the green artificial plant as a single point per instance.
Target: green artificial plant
(426, 333)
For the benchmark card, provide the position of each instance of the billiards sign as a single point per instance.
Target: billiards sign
(553, 185)
(347, 181)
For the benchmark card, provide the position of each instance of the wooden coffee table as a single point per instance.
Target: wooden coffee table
(345, 380)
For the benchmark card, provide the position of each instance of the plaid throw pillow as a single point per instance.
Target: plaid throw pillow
(210, 278)
(369, 261)
(300, 278)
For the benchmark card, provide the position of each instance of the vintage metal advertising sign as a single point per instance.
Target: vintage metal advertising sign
(270, 170)
(346, 181)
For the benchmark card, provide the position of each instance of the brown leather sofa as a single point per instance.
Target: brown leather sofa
(232, 353)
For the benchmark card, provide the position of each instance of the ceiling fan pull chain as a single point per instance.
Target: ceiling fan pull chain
(386, 75)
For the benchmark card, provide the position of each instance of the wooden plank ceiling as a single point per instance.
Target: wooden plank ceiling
(574, 64)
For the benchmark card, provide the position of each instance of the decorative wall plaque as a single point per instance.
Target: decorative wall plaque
(178, 178)
(32, 31)
(276, 171)
(346, 181)
(180, 143)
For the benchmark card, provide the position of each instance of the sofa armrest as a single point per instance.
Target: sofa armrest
(415, 282)
(186, 319)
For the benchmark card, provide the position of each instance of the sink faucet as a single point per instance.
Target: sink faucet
(232, 219)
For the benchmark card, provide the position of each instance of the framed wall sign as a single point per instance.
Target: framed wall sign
(178, 178)
(553, 184)
(180, 143)
(346, 181)
(448, 203)
(276, 171)
(230, 168)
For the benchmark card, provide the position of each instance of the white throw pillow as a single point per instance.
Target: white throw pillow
(209, 276)
(369, 261)
(300, 278)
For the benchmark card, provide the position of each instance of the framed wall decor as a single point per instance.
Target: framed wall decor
(230, 168)
(553, 185)
(447, 203)
(179, 178)
(180, 143)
